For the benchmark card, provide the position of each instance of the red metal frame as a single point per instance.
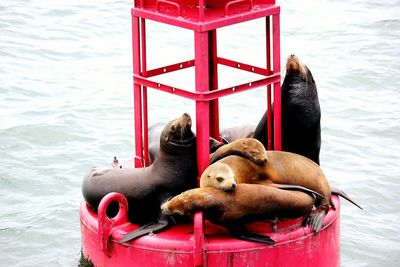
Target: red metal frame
(206, 73)
(206, 95)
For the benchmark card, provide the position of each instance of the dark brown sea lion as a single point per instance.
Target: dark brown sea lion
(301, 113)
(154, 144)
(279, 168)
(173, 171)
(155, 131)
(246, 203)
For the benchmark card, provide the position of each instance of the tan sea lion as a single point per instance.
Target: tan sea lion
(280, 168)
(173, 171)
(246, 203)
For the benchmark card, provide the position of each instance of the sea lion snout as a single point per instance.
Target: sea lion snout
(294, 64)
(185, 121)
(233, 186)
(187, 117)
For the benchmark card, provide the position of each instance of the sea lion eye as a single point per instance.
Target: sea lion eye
(173, 127)
(220, 179)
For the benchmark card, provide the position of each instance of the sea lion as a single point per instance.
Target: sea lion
(173, 171)
(154, 133)
(301, 115)
(301, 112)
(246, 203)
(248, 148)
(237, 132)
(279, 168)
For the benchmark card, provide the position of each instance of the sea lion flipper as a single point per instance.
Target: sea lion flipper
(248, 148)
(341, 193)
(298, 188)
(316, 219)
(162, 223)
(259, 160)
(241, 232)
(214, 144)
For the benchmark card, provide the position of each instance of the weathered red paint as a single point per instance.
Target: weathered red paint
(202, 243)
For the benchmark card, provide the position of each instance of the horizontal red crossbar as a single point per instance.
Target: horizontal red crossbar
(212, 23)
(209, 95)
(191, 63)
(170, 68)
(242, 66)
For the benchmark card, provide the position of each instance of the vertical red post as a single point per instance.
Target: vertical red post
(201, 10)
(213, 79)
(137, 93)
(277, 86)
(269, 96)
(201, 42)
(145, 131)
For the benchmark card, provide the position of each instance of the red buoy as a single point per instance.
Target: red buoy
(202, 243)
(295, 245)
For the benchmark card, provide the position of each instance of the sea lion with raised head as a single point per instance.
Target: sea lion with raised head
(301, 113)
(246, 203)
(173, 171)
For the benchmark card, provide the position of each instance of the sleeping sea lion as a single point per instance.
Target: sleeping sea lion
(173, 171)
(246, 203)
(279, 168)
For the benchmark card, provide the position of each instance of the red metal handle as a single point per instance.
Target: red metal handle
(176, 5)
(105, 224)
(229, 4)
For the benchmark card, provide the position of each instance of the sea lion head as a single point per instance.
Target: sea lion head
(295, 67)
(248, 148)
(218, 175)
(177, 133)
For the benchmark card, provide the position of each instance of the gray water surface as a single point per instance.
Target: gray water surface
(66, 105)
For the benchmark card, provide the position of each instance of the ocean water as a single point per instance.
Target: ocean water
(66, 105)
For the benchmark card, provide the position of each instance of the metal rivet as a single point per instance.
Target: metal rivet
(233, 89)
(158, 85)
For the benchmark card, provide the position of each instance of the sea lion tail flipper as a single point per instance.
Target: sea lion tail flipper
(316, 219)
(341, 193)
(162, 223)
(298, 188)
(241, 232)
